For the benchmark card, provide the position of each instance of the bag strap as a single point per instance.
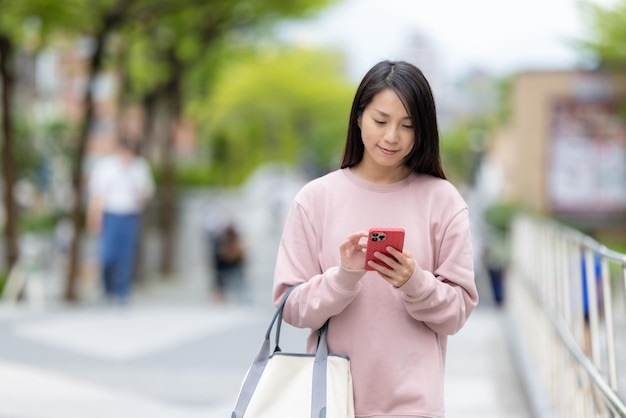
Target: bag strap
(318, 395)
(258, 364)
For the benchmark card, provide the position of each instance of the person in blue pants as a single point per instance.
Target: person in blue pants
(120, 185)
(118, 251)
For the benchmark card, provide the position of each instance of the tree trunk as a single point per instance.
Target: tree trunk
(8, 160)
(77, 170)
(109, 22)
(169, 192)
(167, 204)
(145, 136)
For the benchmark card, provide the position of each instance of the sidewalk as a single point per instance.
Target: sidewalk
(154, 360)
(151, 359)
(482, 379)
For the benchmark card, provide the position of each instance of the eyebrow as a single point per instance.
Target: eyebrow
(387, 115)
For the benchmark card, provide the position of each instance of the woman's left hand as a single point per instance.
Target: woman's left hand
(401, 266)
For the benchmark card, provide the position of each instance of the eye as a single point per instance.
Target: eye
(379, 122)
(407, 126)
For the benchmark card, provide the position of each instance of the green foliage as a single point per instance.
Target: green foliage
(28, 23)
(275, 105)
(36, 143)
(615, 245)
(501, 214)
(193, 175)
(615, 240)
(39, 222)
(196, 175)
(4, 277)
(463, 145)
(606, 33)
(461, 150)
(454, 150)
(175, 37)
(25, 156)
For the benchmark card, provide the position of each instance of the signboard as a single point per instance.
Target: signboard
(587, 155)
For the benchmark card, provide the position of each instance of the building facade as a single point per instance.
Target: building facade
(564, 151)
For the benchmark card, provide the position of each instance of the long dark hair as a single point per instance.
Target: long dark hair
(409, 83)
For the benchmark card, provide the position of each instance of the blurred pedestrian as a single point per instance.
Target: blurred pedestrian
(596, 271)
(230, 256)
(496, 270)
(393, 322)
(120, 186)
(213, 225)
(496, 259)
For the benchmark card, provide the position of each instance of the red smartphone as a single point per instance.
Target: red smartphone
(378, 239)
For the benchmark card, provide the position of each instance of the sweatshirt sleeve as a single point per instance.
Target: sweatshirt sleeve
(320, 294)
(445, 298)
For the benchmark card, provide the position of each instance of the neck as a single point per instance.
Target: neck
(379, 176)
(125, 156)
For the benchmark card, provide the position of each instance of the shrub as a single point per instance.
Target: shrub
(4, 277)
(501, 214)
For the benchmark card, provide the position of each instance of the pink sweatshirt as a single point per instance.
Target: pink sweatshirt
(396, 338)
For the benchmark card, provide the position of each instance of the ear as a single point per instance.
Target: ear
(358, 121)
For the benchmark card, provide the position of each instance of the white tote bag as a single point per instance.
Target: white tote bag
(296, 385)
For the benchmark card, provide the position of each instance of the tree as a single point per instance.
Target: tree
(8, 168)
(175, 19)
(104, 18)
(288, 105)
(606, 34)
(464, 143)
(174, 47)
(186, 29)
(16, 38)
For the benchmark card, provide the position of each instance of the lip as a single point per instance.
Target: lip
(386, 151)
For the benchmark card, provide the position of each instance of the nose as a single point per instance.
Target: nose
(391, 134)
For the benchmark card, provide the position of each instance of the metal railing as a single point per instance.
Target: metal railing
(566, 294)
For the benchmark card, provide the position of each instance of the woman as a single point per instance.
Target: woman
(392, 322)
(120, 187)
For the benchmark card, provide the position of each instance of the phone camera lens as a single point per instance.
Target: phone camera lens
(378, 236)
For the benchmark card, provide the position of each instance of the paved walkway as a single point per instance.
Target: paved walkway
(157, 360)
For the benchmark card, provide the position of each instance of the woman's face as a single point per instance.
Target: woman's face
(387, 133)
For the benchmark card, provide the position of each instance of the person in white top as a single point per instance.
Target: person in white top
(120, 185)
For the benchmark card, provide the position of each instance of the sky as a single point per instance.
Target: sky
(499, 36)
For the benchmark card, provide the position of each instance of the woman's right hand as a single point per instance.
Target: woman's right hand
(352, 251)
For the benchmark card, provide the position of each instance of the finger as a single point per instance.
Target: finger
(394, 252)
(390, 259)
(381, 269)
(356, 245)
(355, 240)
(357, 237)
(385, 267)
